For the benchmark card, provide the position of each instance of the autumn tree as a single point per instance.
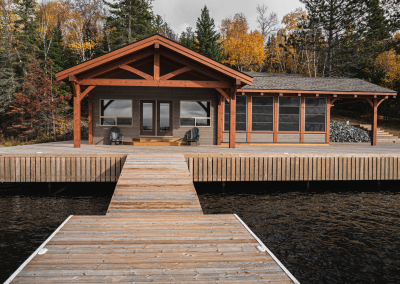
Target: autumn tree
(40, 104)
(208, 39)
(243, 49)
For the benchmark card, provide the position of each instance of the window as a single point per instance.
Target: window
(241, 114)
(195, 113)
(116, 112)
(315, 114)
(289, 114)
(262, 114)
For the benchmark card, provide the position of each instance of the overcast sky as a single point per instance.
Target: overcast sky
(184, 13)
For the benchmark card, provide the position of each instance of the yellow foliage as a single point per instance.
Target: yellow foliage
(243, 49)
(388, 62)
(292, 19)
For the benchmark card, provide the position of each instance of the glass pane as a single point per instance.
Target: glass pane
(116, 108)
(202, 122)
(262, 113)
(195, 109)
(315, 112)
(124, 121)
(187, 121)
(262, 126)
(147, 116)
(263, 101)
(241, 114)
(289, 114)
(164, 117)
(108, 121)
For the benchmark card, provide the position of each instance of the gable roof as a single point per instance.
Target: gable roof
(137, 46)
(284, 81)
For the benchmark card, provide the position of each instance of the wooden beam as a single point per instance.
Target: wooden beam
(299, 94)
(147, 83)
(369, 102)
(333, 101)
(276, 118)
(248, 120)
(137, 72)
(225, 95)
(156, 61)
(374, 124)
(90, 118)
(281, 94)
(176, 72)
(238, 82)
(328, 119)
(77, 115)
(206, 71)
(72, 78)
(232, 119)
(302, 115)
(381, 101)
(172, 66)
(355, 96)
(115, 65)
(220, 120)
(313, 92)
(317, 95)
(88, 89)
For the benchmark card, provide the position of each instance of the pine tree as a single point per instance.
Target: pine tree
(129, 21)
(208, 40)
(27, 31)
(188, 38)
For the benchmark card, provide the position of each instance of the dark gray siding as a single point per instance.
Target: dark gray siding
(208, 135)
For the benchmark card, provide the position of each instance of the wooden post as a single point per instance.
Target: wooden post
(302, 118)
(232, 120)
(328, 119)
(77, 116)
(156, 61)
(374, 123)
(248, 124)
(276, 118)
(90, 118)
(220, 119)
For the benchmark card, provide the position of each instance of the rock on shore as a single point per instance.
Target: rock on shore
(341, 132)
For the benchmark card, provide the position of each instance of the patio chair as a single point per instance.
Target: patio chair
(194, 136)
(115, 136)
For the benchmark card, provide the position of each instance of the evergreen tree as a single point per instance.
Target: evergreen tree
(336, 18)
(27, 31)
(188, 38)
(129, 20)
(208, 40)
(61, 57)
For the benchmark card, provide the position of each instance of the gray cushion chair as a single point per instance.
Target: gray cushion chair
(193, 137)
(116, 136)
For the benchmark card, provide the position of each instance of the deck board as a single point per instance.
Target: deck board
(154, 231)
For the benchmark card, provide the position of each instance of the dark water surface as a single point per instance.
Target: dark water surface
(338, 232)
(29, 214)
(325, 235)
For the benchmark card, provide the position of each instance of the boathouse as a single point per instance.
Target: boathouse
(157, 88)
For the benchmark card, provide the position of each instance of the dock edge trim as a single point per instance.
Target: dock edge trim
(290, 275)
(22, 266)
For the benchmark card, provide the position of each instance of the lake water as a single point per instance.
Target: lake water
(322, 235)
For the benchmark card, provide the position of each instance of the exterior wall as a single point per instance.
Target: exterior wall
(208, 135)
(314, 138)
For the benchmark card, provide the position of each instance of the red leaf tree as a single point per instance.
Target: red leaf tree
(41, 103)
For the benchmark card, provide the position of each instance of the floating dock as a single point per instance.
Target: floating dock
(154, 231)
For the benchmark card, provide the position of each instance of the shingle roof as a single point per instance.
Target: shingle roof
(279, 81)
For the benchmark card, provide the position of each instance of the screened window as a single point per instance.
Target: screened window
(289, 114)
(116, 112)
(262, 114)
(241, 114)
(315, 114)
(195, 113)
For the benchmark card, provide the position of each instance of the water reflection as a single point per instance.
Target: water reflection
(29, 214)
(325, 235)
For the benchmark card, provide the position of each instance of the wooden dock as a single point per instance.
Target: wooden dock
(154, 231)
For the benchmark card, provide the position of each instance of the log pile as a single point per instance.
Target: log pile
(341, 132)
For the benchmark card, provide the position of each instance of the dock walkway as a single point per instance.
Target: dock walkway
(154, 231)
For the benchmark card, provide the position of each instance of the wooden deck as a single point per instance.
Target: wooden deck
(153, 185)
(154, 231)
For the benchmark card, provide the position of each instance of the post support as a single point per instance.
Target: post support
(220, 119)
(328, 119)
(156, 74)
(90, 118)
(232, 119)
(77, 115)
(374, 124)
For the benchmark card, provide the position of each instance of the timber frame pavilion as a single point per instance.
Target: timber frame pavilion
(174, 88)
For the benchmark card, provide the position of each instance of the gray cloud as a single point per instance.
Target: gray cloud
(184, 13)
